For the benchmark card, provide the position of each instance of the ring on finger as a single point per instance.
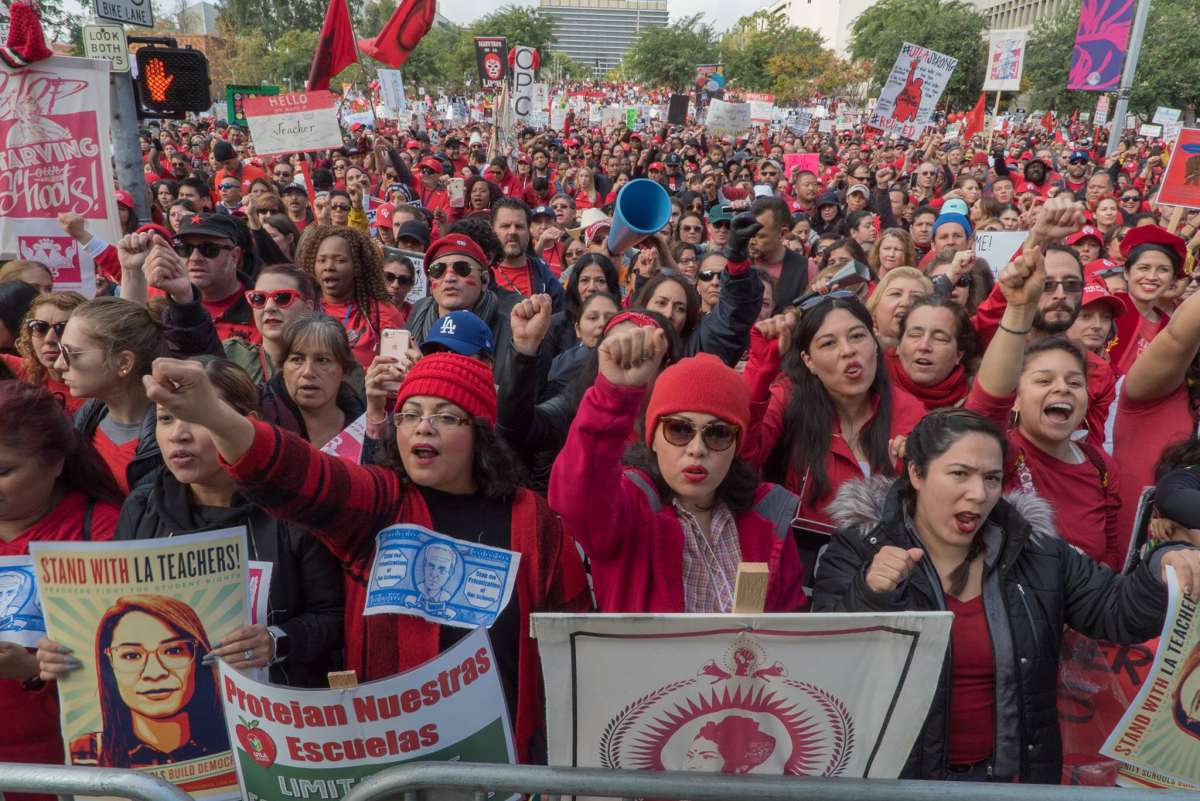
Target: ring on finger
(248, 654)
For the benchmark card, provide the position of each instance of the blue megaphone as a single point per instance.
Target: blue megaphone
(642, 209)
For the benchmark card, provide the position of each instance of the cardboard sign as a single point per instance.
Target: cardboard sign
(236, 97)
(802, 161)
(1150, 131)
(1164, 115)
(677, 115)
(761, 107)
(728, 119)
(1006, 59)
(522, 92)
(293, 123)
(1181, 181)
(391, 89)
(998, 247)
(910, 96)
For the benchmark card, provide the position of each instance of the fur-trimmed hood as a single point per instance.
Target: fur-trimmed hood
(861, 503)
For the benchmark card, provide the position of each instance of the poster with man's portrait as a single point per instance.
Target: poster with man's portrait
(140, 617)
(21, 620)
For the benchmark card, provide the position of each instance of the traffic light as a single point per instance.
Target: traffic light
(172, 81)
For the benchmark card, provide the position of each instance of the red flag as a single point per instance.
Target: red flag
(336, 50)
(1048, 120)
(411, 20)
(974, 120)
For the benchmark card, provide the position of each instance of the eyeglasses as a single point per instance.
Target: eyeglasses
(282, 297)
(282, 174)
(68, 353)
(717, 436)
(209, 250)
(339, 206)
(963, 281)
(174, 655)
(926, 173)
(841, 294)
(1072, 286)
(706, 275)
(402, 280)
(229, 186)
(687, 260)
(40, 328)
(438, 269)
(691, 229)
(441, 421)
(1130, 199)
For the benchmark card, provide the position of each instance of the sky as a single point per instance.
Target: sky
(721, 14)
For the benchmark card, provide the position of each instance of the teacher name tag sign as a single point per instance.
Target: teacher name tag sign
(293, 123)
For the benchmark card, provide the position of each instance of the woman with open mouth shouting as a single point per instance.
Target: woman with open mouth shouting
(1045, 382)
(665, 532)
(443, 468)
(941, 537)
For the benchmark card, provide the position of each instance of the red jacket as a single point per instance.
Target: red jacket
(345, 505)
(1127, 329)
(636, 553)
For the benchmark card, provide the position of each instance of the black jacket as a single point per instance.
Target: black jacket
(306, 597)
(725, 331)
(1034, 583)
(793, 280)
(536, 431)
(146, 457)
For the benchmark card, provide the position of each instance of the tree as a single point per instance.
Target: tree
(667, 56)
(444, 57)
(273, 17)
(745, 49)
(953, 28)
(1168, 70)
(242, 59)
(559, 64)
(291, 58)
(519, 26)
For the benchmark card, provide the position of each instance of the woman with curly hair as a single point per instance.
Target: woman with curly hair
(348, 268)
(38, 344)
(481, 193)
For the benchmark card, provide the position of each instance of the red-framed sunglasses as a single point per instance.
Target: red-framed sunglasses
(282, 297)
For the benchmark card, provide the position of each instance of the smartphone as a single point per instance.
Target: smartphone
(455, 187)
(393, 342)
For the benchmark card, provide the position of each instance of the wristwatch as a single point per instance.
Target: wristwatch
(283, 644)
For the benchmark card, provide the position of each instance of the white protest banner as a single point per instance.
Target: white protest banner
(1161, 729)
(558, 116)
(54, 158)
(816, 695)
(540, 96)
(293, 743)
(761, 107)
(1165, 116)
(391, 88)
(997, 247)
(522, 91)
(909, 97)
(1006, 58)
(366, 118)
(1149, 130)
(293, 123)
(612, 116)
(825, 126)
(420, 572)
(21, 619)
(1171, 131)
(728, 119)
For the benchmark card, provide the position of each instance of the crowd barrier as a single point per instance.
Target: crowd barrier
(66, 781)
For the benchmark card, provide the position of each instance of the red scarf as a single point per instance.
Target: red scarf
(950, 391)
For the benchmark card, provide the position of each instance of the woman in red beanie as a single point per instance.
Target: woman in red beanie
(445, 470)
(666, 533)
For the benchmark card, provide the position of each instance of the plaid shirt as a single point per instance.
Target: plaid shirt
(709, 564)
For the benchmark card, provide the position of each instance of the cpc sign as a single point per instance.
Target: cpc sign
(524, 65)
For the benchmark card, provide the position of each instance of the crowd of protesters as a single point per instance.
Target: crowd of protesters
(807, 368)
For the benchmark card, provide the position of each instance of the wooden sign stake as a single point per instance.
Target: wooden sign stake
(750, 592)
(341, 679)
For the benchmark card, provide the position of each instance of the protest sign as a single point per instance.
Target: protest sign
(292, 743)
(491, 57)
(55, 157)
(728, 119)
(391, 88)
(815, 695)
(677, 115)
(1160, 731)
(825, 126)
(21, 620)
(1006, 58)
(1164, 115)
(631, 115)
(349, 443)
(710, 79)
(175, 598)
(801, 123)
(293, 123)
(539, 95)
(365, 118)
(612, 116)
(236, 96)
(524, 59)
(761, 107)
(801, 161)
(1171, 131)
(595, 114)
(420, 572)
(558, 116)
(1181, 181)
(1150, 131)
(909, 97)
(998, 247)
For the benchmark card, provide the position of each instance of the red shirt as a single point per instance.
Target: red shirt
(1145, 334)
(363, 330)
(519, 279)
(227, 329)
(60, 391)
(117, 457)
(554, 256)
(972, 684)
(248, 174)
(775, 269)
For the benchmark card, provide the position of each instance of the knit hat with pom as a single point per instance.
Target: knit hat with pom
(702, 383)
(459, 379)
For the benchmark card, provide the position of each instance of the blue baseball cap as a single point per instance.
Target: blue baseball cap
(461, 332)
(955, 206)
(953, 217)
(1078, 155)
(541, 211)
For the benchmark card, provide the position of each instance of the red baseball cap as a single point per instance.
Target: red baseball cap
(412, 144)
(1101, 265)
(430, 163)
(656, 165)
(383, 214)
(455, 244)
(1027, 187)
(595, 228)
(125, 199)
(1087, 232)
(1096, 291)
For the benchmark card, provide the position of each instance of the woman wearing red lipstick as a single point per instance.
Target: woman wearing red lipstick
(666, 523)
(1153, 261)
(941, 537)
(443, 468)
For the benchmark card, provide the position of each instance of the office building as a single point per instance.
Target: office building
(1017, 14)
(596, 33)
(831, 18)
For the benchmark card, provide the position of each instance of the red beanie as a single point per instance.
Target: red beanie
(702, 383)
(459, 379)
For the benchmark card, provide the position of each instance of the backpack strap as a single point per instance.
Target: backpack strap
(1097, 461)
(649, 491)
(86, 534)
(779, 506)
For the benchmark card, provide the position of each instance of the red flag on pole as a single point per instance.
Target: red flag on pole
(974, 120)
(1048, 120)
(335, 51)
(411, 20)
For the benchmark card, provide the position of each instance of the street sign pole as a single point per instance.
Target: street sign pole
(127, 150)
(1127, 75)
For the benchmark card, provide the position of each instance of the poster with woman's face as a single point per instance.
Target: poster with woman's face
(140, 617)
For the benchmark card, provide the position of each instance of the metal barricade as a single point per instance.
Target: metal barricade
(464, 780)
(67, 781)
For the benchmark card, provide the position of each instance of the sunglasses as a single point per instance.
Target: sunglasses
(840, 294)
(706, 275)
(1130, 199)
(402, 280)
(720, 225)
(229, 186)
(209, 250)
(40, 328)
(438, 269)
(717, 436)
(339, 206)
(279, 174)
(691, 229)
(282, 297)
(1072, 286)
(963, 281)
(68, 353)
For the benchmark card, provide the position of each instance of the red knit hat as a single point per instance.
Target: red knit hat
(459, 379)
(702, 383)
